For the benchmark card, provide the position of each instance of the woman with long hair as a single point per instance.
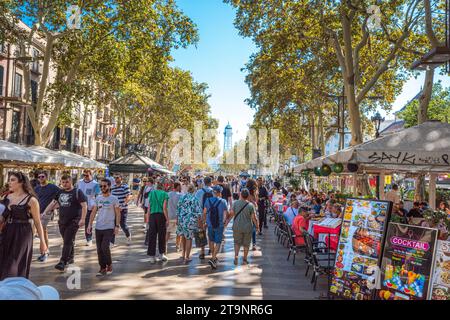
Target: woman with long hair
(22, 207)
(253, 190)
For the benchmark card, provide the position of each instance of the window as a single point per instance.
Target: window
(85, 138)
(34, 90)
(15, 127)
(35, 63)
(29, 133)
(18, 85)
(1, 80)
(97, 150)
(68, 135)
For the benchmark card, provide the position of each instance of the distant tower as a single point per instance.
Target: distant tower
(228, 138)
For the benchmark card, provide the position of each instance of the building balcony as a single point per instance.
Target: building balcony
(99, 135)
(36, 69)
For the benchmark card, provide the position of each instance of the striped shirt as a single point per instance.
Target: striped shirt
(121, 192)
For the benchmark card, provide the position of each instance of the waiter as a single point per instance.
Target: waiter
(263, 199)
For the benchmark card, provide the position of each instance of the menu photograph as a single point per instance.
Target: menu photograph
(441, 278)
(359, 247)
(407, 262)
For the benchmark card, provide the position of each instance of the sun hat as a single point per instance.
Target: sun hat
(17, 288)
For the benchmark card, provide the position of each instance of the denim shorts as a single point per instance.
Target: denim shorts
(215, 234)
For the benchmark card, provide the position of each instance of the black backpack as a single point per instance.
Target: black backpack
(206, 195)
(214, 214)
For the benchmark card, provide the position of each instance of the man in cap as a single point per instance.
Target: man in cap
(215, 209)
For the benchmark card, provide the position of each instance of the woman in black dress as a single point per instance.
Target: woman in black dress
(16, 250)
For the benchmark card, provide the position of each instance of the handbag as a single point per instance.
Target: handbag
(200, 238)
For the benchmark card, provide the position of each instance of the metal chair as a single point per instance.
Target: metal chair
(320, 258)
(293, 248)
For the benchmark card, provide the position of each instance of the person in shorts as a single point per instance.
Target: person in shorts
(215, 205)
(244, 215)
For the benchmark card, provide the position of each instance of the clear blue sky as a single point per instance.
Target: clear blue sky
(217, 60)
(219, 57)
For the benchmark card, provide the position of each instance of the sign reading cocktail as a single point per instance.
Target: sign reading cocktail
(407, 262)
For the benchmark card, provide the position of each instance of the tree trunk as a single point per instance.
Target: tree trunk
(159, 152)
(313, 131)
(354, 114)
(425, 98)
(321, 134)
(422, 116)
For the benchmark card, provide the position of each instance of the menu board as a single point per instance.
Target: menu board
(440, 289)
(359, 248)
(407, 263)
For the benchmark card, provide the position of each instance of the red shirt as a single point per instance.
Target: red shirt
(299, 225)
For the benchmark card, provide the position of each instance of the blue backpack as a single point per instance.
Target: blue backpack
(214, 214)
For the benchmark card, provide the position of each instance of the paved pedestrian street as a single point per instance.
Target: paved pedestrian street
(268, 276)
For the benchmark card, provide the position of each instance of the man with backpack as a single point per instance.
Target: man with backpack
(202, 195)
(215, 208)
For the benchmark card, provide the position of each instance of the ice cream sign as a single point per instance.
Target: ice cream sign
(409, 243)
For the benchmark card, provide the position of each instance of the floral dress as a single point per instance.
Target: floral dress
(188, 211)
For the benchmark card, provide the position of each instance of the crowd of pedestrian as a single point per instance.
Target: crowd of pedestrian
(194, 210)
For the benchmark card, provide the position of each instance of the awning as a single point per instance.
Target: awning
(79, 161)
(14, 154)
(11, 152)
(136, 163)
(422, 148)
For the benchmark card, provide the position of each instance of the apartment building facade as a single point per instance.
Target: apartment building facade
(93, 134)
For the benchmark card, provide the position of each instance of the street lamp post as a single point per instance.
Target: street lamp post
(377, 120)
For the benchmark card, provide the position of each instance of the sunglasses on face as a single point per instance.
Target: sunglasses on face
(104, 186)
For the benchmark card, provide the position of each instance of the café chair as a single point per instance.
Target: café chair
(293, 248)
(318, 257)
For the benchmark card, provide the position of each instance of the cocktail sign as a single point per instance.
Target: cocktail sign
(407, 263)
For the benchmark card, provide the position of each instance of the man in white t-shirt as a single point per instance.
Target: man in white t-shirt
(107, 210)
(90, 189)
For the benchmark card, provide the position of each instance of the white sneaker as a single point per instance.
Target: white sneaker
(164, 258)
(89, 243)
(152, 260)
(158, 258)
(144, 226)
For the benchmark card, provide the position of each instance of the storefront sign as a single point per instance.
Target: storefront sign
(407, 262)
(359, 249)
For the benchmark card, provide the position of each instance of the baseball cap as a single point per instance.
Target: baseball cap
(217, 189)
(17, 288)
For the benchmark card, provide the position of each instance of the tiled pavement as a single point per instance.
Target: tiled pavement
(269, 275)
